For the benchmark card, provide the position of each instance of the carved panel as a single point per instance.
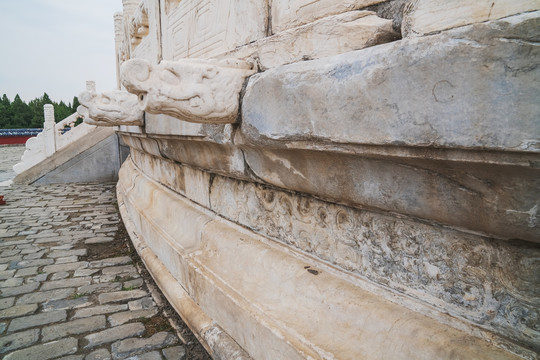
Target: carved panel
(206, 28)
(492, 283)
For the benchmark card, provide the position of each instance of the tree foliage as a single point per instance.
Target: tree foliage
(17, 114)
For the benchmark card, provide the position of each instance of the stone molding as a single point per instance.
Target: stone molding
(110, 108)
(284, 287)
(410, 256)
(194, 90)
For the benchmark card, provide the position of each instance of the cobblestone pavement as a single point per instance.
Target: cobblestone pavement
(9, 156)
(71, 286)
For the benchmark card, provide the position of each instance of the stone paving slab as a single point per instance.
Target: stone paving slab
(70, 285)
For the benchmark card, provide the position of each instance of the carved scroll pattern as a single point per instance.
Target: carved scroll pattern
(494, 284)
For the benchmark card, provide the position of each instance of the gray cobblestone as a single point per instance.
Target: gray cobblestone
(152, 355)
(29, 263)
(18, 310)
(121, 296)
(6, 274)
(66, 253)
(114, 334)
(65, 267)
(122, 260)
(11, 282)
(74, 327)
(140, 304)
(65, 260)
(18, 290)
(18, 340)
(45, 351)
(66, 304)
(50, 294)
(27, 271)
(44, 296)
(133, 346)
(102, 287)
(174, 353)
(26, 322)
(99, 354)
(125, 316)
(7, 302)
(98, 310)
(74, 282)
(60, 275)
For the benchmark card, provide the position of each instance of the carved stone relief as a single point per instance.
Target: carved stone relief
(201, 91)
(208, 28)
(489, 282)
(110, 108)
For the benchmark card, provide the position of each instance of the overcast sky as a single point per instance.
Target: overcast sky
(54, 46)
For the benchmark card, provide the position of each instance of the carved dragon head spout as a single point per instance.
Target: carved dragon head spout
(201, 91)
(110, 108)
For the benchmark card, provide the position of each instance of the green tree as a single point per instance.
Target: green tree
(61, 111)
(22, 114)
(75, 104)
(5, 111)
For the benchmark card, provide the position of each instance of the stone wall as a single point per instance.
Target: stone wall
(334, 158)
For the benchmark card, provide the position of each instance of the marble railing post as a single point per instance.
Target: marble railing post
(118, 36)
(48, 130)
(91, 86)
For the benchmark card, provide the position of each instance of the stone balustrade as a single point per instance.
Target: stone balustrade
(54, 137)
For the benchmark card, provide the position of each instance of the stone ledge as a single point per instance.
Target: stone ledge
(266, 297)
(408, 93)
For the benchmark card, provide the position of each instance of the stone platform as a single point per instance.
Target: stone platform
(71, 286)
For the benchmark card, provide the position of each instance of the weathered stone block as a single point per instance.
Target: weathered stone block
(428, 16)
(287, 14)
(127, 347)
(18, 310)
(44, 296)
(18, 340)
(408, 93)
(326, 37)
(36, 320)
(45, 351)
(125, 316)
(206, 28)
(120, 296)
(73, 282)
(73, 327)
(406, 105)
(18, 290)
(113, 334)
(98, 310)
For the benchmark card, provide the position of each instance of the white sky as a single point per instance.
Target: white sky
(54, 46)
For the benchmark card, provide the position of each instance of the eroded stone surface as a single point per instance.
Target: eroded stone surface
(287, 14)
(427, 16)
(460, 102)
(452, 115)
(414, 258)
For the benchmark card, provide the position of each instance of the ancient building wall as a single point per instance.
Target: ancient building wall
(335, 154)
